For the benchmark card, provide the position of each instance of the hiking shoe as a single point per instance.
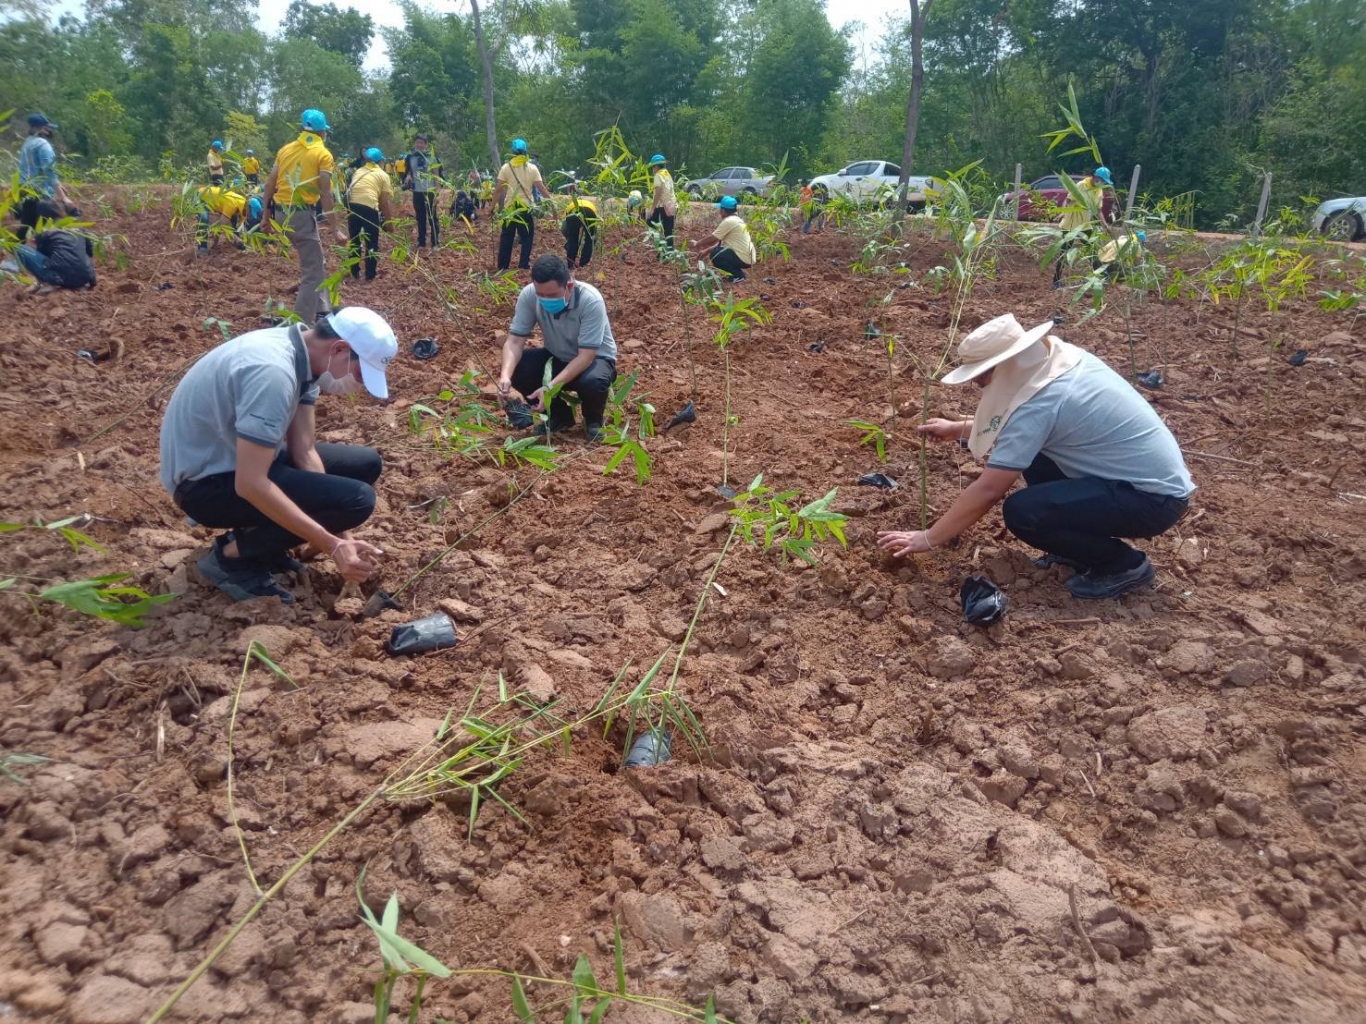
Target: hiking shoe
(1093, 586)
(593, 431)
(239, 579)
(1048, 560)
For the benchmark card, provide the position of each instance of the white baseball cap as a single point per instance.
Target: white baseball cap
(372, 339)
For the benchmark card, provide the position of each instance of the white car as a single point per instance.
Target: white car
(869, 181)
(1341, 219)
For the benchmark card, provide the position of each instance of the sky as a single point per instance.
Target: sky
(873, 14)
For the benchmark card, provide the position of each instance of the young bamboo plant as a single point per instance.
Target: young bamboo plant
(617, 431)
(732, 317)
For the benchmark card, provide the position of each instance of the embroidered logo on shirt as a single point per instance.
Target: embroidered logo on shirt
(991, 427)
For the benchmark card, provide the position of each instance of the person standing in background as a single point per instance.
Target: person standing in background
(422, 170)
(518, 182)
(300, 180)
(251, 168)
(215, 162)
(665, 201)
(371, 201)
(38, 179)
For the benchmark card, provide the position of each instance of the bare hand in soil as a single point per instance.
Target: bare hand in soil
(342, 236)
(355, 560)
(534, 400)
(899, 543)
(941, 430)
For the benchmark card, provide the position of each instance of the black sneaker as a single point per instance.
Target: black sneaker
(1048, 560)
(1094, 586)
(239, 579)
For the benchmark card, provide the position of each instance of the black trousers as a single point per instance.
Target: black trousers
(215, 179)
(520, 226)
(253, 180)
(1082, 519)
(578, 231)
(592, 386)
(28, 215)
(664, 222)
(363, 223)
(424, 209)
(726, 261)
(340, 499)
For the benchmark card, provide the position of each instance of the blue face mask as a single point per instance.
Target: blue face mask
(553, 306)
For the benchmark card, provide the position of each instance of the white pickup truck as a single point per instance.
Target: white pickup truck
(868, 181)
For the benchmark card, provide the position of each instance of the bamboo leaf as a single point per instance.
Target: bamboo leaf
(619, 958)
(520, 1006)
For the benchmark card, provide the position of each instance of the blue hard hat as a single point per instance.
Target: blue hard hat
(728, 203)
(217, 143)
(374, 155)
(315, 121)
(1142, 236)
(658, 158)
(1103, 173)
(251, 152)
(519, 146)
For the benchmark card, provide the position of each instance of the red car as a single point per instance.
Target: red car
(1045, 198)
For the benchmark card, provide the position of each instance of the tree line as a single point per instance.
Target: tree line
(1205, 94)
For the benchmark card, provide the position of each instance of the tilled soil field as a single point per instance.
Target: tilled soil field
(1144, 810)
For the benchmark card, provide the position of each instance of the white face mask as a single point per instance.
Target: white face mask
(347, 385)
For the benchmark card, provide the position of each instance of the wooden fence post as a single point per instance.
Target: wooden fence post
(1015, 203)
(1261, 207)
(1133, 194)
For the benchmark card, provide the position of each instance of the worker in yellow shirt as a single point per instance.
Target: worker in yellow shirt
(485, 192)
(372, 201)
(223, 206)
(518, 181)
(1078, 216)
(302, 176)
(580, 225)
(215, 162)
(732, 248)
(251, 168)
(665, 200)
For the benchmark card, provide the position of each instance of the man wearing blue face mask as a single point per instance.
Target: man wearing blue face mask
(239, 452)
(579, 355)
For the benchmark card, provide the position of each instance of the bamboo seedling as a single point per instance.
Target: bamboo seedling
(732, 317)
(399, 957)
(872, 434)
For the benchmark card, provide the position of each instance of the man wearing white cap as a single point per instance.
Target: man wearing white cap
(238, 450)
(1098, 462)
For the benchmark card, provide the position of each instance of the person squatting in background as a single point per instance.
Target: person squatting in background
(57, 257)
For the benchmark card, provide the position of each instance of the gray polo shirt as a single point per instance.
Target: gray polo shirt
(1092, 423)
(249, 387)
(582, 325)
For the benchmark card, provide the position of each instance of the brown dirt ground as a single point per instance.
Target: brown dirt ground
(899, 803)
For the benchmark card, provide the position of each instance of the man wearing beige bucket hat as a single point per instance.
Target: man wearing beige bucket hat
(1097, 461)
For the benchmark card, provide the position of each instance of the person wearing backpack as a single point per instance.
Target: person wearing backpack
(515, 199)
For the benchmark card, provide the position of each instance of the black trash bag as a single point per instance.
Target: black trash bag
(1299, 358)
(983, 601)
(649, 749)
(817, 346)
(871, 330)
(425, 348)
(687, 414)
(519, 415)
(727, 491)
(434, 633)
(881, 480)
(1152, 379)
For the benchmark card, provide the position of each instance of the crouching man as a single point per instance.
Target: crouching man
(580, 353)
(238, 450)
(1097, 461)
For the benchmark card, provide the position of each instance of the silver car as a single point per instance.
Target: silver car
(1341, 219)
(731, 181)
